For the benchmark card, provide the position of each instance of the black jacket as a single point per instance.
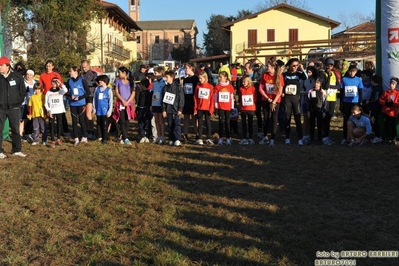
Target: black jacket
(178, 103)
(12, 90)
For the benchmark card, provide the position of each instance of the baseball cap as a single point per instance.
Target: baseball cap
(4, 60)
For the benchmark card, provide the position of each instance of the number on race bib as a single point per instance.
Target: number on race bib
(188, 88)
(169, 98)
(350, 91)
(270, 88)
(203, 93)
(291, 89)
(247, 100)
(224, 97)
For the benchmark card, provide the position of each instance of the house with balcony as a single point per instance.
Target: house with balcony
(278, 32)
(112, 41)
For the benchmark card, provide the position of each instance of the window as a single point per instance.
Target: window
(176, 39)
(293, 35)
(138, 39)
(156, 39)
(271, 35)
(252, 37)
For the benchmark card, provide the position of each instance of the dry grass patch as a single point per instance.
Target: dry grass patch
(158, 205)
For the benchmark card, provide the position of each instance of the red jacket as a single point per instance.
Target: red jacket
(266, 85)
(247, 98)
(203, 98)
(387, 96)
(46, 78)
(233, 74)
(224, 97)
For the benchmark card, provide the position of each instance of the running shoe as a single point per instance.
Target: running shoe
(265, 140)
(243, 142)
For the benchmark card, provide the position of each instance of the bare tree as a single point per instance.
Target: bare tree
(353, 19)
(302, 4)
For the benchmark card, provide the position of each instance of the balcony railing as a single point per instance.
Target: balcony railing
(118, 52)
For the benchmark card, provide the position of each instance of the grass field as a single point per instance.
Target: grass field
(147, 204)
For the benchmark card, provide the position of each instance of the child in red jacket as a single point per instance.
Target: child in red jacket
(390, 108)
(247, 98)
(203, 106)
(224, 103)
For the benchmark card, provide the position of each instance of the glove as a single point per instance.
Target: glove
(389, 103)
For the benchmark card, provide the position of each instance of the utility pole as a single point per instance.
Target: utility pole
(3, 28)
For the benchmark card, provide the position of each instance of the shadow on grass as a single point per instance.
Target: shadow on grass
(319, 198)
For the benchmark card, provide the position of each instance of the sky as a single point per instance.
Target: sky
(201, 11)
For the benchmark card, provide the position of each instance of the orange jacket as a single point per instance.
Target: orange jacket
(203, 98)
(224, 97)
(247, 98)
(393, 96)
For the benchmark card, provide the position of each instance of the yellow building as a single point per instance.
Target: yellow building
(276, 32)
(112, 40)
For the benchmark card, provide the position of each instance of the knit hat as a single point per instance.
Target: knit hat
(329, 61)
(4, 60)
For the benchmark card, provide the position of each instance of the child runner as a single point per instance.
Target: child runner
(203, 106)
(351, 94)
(247, 99)
(54, 104)
(172, 107)
(78, 92)
(102, 106)
(36, 112)
(270, 87)
(390, 108)
(224, 103)
(333, 82)
(308, 85)
(292, 98)
(190, 81)
(157, 87)
(124, 105)
(143, 111)
(359, 126)
(316, 102)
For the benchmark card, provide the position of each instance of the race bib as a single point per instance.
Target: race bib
(350, 91)
(291, 89)
(313, 94)
(156, 97)
(55, 102)
(101, 96)
(331, 95)
(169, 98)
(247, 100)
(75, 91)
(270, 88)
(188, 88)
(203, 93)
(224, 97)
